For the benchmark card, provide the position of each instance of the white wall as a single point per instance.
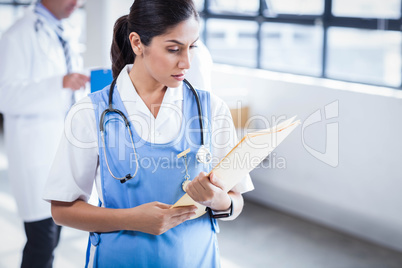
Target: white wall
(362, 194)
(101, 16)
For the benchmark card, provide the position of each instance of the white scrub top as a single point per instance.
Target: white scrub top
(76, 166)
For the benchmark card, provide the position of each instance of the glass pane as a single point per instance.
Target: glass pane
(233, 41)
(291, 48)
(367, 8)
(24, 1)
(202, 27)
(235, 6)
(368, 56)
(199, 4)
(295, 7)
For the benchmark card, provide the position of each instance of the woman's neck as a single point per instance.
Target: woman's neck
(149, 90)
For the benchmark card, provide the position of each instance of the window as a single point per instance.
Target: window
(199, 5)
(390, 9)
(297, 7)
(235, 6)
(364, 55)
(291, 48)
(350, 40)
(233, 41)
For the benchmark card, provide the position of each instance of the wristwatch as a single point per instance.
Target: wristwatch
(221, 213)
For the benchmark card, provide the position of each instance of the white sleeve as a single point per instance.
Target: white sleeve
(199, 74)
(75, 166)
(224, 138)
(20, 93)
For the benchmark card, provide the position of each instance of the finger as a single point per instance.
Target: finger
(77, 85)
(162, 205)
(202, 183)
(178, 211)
(81, 79)
(84, 78)
(206, 184)
(192, 193)
(194, 190)
(74, 85)
(202, 174)
(182, 218)
(216, 181)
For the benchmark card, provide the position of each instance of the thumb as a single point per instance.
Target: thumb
(216, 181)
(162, 205)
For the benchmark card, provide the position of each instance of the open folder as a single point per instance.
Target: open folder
(244, 157)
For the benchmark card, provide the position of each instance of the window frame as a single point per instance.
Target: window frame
(325, 20)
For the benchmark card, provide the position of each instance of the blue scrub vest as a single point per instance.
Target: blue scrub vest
(159, 178)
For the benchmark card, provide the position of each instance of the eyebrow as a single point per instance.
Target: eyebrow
(179, 43)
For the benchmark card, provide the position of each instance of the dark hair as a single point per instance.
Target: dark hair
(148, 18)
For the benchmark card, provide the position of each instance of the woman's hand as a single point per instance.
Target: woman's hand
(156, 218)
(153, 218)
(209, 192)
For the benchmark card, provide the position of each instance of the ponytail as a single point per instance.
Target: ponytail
(121, 52)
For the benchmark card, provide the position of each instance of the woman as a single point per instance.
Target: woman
(134, 224)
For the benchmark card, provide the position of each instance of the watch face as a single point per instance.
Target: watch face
(204, 155)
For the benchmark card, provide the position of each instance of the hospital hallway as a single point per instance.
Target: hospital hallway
(260, 237)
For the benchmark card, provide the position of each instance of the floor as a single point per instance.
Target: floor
(260, 237)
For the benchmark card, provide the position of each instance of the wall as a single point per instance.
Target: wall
(351, 179)
(101, 16)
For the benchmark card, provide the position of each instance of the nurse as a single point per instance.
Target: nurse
(134, 224)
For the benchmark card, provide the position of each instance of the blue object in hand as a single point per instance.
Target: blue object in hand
(100, 78)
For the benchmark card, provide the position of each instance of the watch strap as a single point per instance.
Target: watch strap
(222, 213)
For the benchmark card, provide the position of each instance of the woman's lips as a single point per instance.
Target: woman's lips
(178, 77)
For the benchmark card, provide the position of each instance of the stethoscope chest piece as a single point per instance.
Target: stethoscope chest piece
(204, 155)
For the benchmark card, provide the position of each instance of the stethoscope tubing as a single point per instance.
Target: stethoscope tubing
(110, 109)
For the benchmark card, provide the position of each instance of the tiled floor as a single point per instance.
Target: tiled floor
(260, 237)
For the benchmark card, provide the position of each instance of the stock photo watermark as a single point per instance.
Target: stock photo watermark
(331, 154)
(117, 137)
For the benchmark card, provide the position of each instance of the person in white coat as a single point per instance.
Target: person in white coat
(38, 77)
(201, 67)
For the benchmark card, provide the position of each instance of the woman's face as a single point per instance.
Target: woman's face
(167, 58)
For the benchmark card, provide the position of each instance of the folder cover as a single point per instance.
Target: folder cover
(244, 157)
(100, 78)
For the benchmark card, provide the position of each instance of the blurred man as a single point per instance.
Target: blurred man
(38, 77)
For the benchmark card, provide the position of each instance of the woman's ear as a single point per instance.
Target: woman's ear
(136, 44)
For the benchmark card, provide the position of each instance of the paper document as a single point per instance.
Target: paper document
(244, 157)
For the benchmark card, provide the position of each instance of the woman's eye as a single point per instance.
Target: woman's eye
(191, 47)
(173, 50)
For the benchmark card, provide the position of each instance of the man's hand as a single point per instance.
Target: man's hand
(75, 81)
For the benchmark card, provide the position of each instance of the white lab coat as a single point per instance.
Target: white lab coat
(199, 74)
(34, 104)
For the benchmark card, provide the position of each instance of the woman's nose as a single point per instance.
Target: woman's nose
(185, 61)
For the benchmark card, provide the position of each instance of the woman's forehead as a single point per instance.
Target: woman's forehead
(185, 32)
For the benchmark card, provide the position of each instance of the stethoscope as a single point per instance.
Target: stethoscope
(203, 154)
